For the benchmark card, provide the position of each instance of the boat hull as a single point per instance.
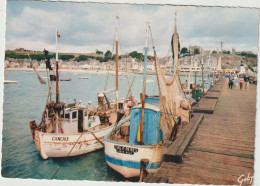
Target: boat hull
(126, 158)
(66, 145)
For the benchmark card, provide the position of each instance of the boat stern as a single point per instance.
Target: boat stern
(33, 126)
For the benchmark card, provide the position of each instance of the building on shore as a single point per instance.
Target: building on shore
(194, 63)
(192, 49)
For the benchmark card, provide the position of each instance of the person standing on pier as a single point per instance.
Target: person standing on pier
(231, 81)
(246, 79)
(235, 80)
(241, 81)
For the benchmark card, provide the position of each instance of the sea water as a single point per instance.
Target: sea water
(25, 101)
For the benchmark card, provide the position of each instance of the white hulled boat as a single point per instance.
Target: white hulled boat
(140, 136)
(74, 129)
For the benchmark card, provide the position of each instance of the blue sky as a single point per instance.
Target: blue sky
(85, 27)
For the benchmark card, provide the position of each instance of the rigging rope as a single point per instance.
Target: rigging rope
(36, 75)
(106, 79)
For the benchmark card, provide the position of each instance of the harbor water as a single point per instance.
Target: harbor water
(25, 101)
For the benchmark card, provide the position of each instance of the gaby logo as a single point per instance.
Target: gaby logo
(245, 178)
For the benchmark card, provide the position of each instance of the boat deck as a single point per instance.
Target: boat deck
(222, 151)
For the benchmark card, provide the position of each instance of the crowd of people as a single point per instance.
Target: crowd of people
(241, 80)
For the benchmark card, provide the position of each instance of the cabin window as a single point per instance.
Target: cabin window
(120, 105)
(65, 114)
(74, 115)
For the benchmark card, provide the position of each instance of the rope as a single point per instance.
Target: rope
(37, 76)
(41, 84)
(106, 80)
(130, 87)
(96, 138)
(66, 157)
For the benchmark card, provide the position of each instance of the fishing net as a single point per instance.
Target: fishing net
(173, 102)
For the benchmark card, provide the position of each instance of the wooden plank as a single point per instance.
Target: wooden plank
(226, 151)
(163, 180)
(178, 147)
(173, 148)
(205, 175)
(148, 178)
(216, 89)
(219, 158)
(205, 106)
(212, 95)
(188, 139)
(153, 178)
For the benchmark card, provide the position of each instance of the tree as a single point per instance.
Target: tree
(108, 55)
(184, 50)
(226, 52)
(133, 54)
(66, 57)
(98, 52)
(214, 52)
(101, 59)
(196, 51)
(81, 58)
(136, 55)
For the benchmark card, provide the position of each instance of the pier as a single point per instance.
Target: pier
(221, 150)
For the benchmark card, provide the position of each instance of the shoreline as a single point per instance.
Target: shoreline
(61, 70)
(98, 72)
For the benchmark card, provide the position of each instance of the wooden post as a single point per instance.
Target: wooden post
(143, 171)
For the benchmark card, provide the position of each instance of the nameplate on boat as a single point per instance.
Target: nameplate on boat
(60, 138)
(125, 150)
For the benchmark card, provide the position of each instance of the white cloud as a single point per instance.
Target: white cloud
(85, 27)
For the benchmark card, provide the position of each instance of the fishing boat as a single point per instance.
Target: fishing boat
(9, 81)
(139, 137)
(65, 79)
(85, 77)
(75, 129)
(66, 129)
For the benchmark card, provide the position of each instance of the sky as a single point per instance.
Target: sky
(85, 27)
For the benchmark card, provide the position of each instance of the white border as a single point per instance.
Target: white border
(206, 3)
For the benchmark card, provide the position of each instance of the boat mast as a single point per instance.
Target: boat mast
(189, 77)
(202, 73)
(144, 83)
(173, 39)
(57, 85)
(117, 62)
(209, 71)
(57, 73)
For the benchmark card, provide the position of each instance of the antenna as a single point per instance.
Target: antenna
(175, 15)
(221, 44)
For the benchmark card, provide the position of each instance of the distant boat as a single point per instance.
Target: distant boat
(65, 79)
(9, 81)
(83, 77)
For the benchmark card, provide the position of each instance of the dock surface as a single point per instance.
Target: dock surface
(222, 151)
